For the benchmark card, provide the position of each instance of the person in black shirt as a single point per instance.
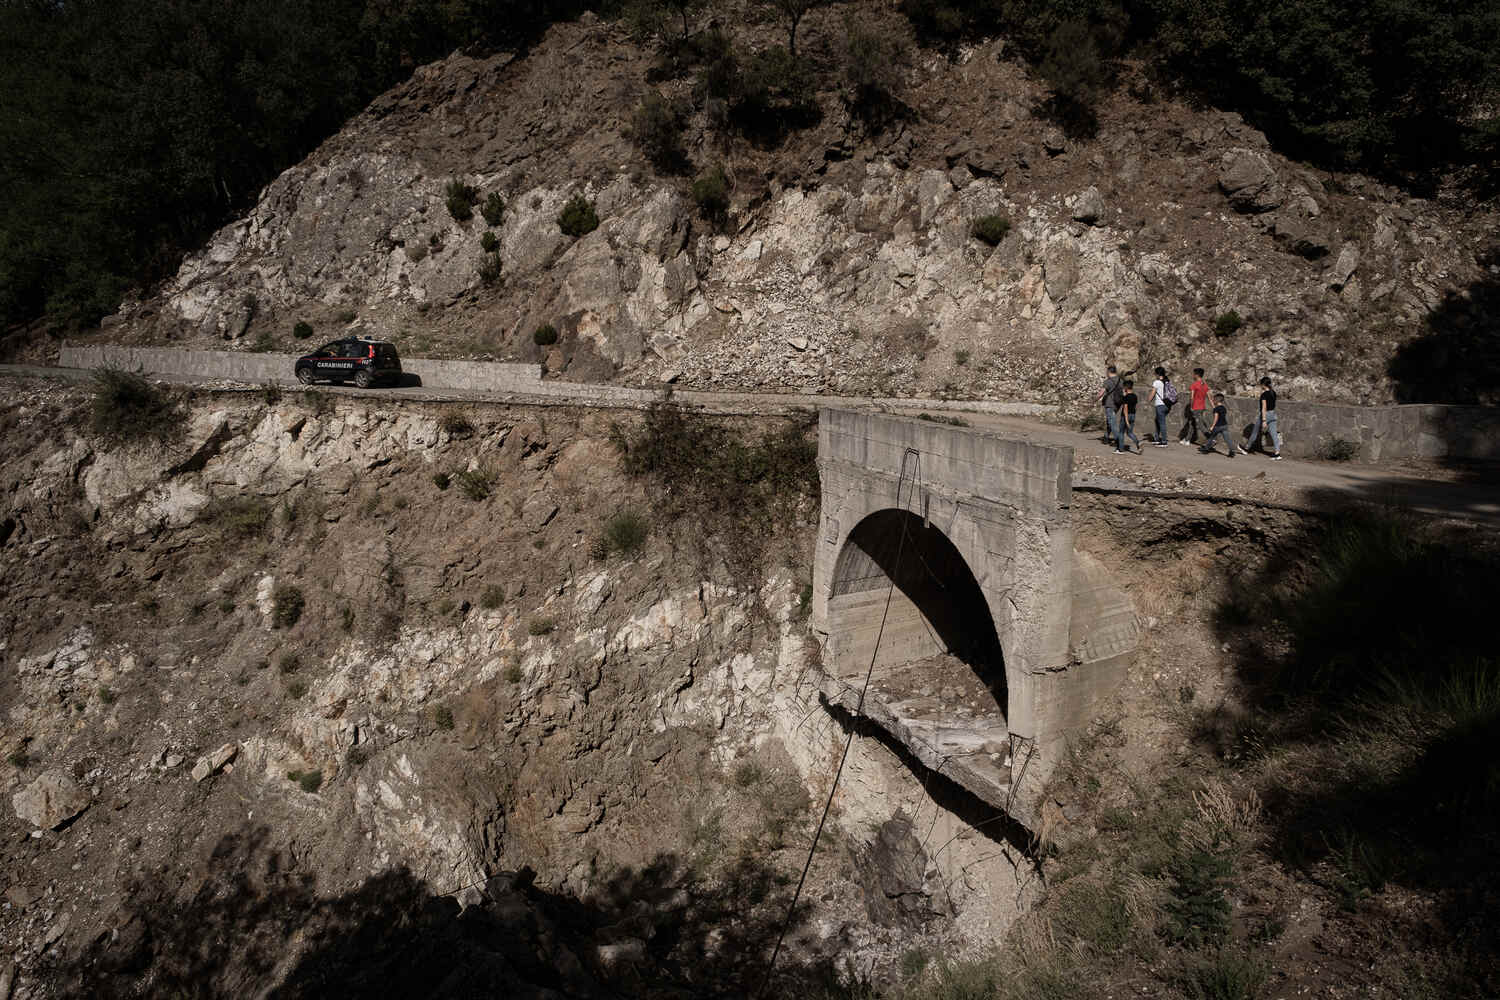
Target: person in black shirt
(1127, 419)
(1265, 420)
(1220, 427)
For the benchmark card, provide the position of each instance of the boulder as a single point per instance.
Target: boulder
(1089, 206)
(1249, 179)
(1344, 266)
(51, 800)
(1060, 269)
(1303, 237)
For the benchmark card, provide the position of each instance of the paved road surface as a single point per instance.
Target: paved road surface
(1475, 495)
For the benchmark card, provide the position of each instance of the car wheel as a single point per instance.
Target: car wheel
(363, 380)
(305, 376)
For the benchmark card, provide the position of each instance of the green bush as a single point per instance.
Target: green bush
(493, 209)
(711, 193)
(347, 316)
(544, 335)
(238, 517)
(1198, 912)
(454, 424)
(513, 673)
(578, 217)
(489, 268)
(441, 480)
(461, 198)
(541, 626)
(1334, 448)
(626, 532)
(657, 129)
(126, 407)
(1223, 974)
(287, 603)
(296, 688)
(107, 696)
(302, 329)
(1227, 323)
(475, 484)
(289, 663)
(308, 781)
(990, 229)
(442, 716)
(489, 242)
(493, 597)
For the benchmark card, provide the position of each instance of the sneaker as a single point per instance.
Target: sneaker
(1119, 451)
(1275, 458)
(1183, 441)
(1208, 451)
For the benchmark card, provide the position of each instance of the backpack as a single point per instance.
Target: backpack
(1169, 392)
(1117, 394)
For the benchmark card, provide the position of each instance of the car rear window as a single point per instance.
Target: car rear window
(385, 352)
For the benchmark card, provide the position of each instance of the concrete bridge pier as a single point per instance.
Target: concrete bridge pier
(996, 639)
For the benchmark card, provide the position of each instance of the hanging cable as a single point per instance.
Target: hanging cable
(912, 455)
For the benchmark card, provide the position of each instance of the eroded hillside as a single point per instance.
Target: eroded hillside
(848, 262)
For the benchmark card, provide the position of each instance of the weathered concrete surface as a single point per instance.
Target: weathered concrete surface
(975, 532)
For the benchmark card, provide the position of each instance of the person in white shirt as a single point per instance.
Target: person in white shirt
(1159, 400)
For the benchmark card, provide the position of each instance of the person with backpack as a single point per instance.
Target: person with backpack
(1163, 395)
(1265, 420)
(1197, 409)
(1220, 427)
(1128, 400)
(1111, 396)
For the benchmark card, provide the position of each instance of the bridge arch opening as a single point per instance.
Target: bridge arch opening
(936, 610)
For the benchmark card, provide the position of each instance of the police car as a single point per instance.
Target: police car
(354, 359)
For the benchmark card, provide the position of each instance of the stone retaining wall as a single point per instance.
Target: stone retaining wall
(1383, 433)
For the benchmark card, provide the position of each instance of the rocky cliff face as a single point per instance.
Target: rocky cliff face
(275, 667)
(849, 265)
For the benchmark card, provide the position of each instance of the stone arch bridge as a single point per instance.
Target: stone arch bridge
(953, 547)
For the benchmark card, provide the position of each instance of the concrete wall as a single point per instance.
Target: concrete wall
(1384, 433)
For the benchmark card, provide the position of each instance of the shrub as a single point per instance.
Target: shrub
(346, 618)
(270, 392)
(493, 209)
(290, 663)
(599, 548)
(461, 198)
(18, 759)
(711, 193)
(489, 242)
(238, 517)
(578, 217)
(308, 781)
(872, 70)
(443, 717)
(287, 603)
(961, 356)
(302, 329)
(489, 268)
(441, 480)
(296, 688)
(1225, 974)
(1227, 323)
(493, 597)
(545, 335)
(1198, 912)
(1333, 448)
(347, 316)
(127, 407)
(991, 229)
(475, 483)
(541, 626)
(513, 673)
(626, 532)
(657, 129)
(454, 423)
(107, 696)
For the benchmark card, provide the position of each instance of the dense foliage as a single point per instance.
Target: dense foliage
(132, 128)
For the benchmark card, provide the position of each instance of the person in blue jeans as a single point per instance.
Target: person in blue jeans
(1127, 419)
(1159, 400)
(1265, 419)
(1220, 428)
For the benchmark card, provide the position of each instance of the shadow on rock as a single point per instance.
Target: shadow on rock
(263, 927)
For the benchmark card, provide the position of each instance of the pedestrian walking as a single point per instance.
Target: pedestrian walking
(1159, 389)
(1197, 410)
(1110, 395)
(1128, 402)
(1220, 427)
(1265, 420)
